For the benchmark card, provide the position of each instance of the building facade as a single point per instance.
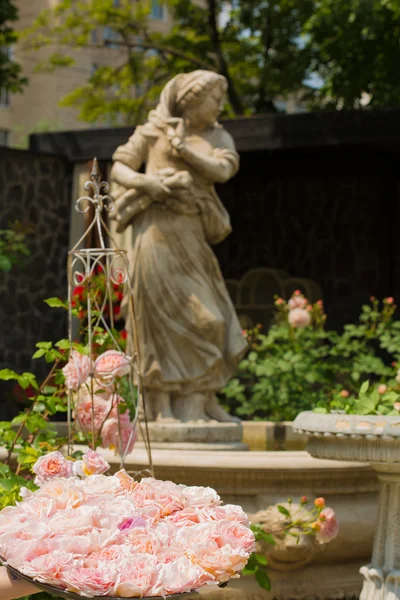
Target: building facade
(37, 108)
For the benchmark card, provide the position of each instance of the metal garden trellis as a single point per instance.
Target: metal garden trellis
(112, 262)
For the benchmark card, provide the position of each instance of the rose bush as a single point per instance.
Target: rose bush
(298, 364)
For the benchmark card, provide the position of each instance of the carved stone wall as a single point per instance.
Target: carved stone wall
(327, 215)
(36, 188)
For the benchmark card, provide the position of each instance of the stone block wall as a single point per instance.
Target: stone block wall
(36, 188)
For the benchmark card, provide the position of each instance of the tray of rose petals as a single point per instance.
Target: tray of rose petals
(56, 591)
(116, 537)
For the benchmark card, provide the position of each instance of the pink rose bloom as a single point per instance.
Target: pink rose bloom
(329, 526)
(51, 465)
(80, 520)
(297, 302)
(222, 563)
(111, 364)
(235, 535)
(177, 577)
(169, 554)
(143, 540)
(99, 485)
(77, 370)
(135, 576)
(382, 389)
(64, 493)
(49, 568)
(111, 509)
(87, 412)
(344, 394)
(16, 551)
(299, 318)
(114, 553)
(92, 463)
(110, 434)
(89, 581)
(187, 517)
(38, 508)
(229, 512)
(396, 406)
(165, 494)
(201, 496)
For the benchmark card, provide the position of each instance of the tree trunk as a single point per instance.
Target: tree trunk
(222, 65)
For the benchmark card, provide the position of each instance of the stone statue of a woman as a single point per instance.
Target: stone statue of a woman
(190, 339)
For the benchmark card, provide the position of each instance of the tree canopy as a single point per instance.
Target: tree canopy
(10, 71)
(267, 50)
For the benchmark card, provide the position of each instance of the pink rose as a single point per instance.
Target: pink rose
(77, 370)
(382, 389)
(396, 406)
(51, 465)
(111, 364)
(297, 302)
(235, 535)
(49, 568)
(112, 431)
(92, 463)
(165, 494)
(89, 581)
(299, 318)
(329, 526)
(135, 575)
(178, 577)
(81, 545)
(201, 496)
(17, 552)
(64, 493)
(87, 411)
(230, 512)
(100, 485)
(344, 394)
(222, 563)
(143, 540)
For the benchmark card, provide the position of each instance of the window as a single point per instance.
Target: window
(157, 10)
(4, 97)
(4, 137)
(110, 35)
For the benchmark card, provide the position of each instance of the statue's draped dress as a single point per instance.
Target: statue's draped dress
(190, 339)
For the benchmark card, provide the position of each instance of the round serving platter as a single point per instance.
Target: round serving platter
(56, 591)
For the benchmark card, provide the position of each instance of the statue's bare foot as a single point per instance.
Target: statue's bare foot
(160, 418)
(160, 407)
(215, 411)
(190, 408)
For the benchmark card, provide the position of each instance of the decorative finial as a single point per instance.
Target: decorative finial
(95, 175)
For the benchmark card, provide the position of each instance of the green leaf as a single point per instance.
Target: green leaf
(56, 303)
(44, 345)
(39, 353)
(6, 374)
(263, 580)
(283, 510)
(364, 388)
(261, 558)
(21, 418)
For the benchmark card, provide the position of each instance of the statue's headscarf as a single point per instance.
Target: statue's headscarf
(167, 112)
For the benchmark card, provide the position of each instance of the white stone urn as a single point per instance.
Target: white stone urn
(374, 440)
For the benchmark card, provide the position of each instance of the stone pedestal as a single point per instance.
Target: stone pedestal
(209, 435)
(374, 439)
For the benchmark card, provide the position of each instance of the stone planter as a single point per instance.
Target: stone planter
(376, 440)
